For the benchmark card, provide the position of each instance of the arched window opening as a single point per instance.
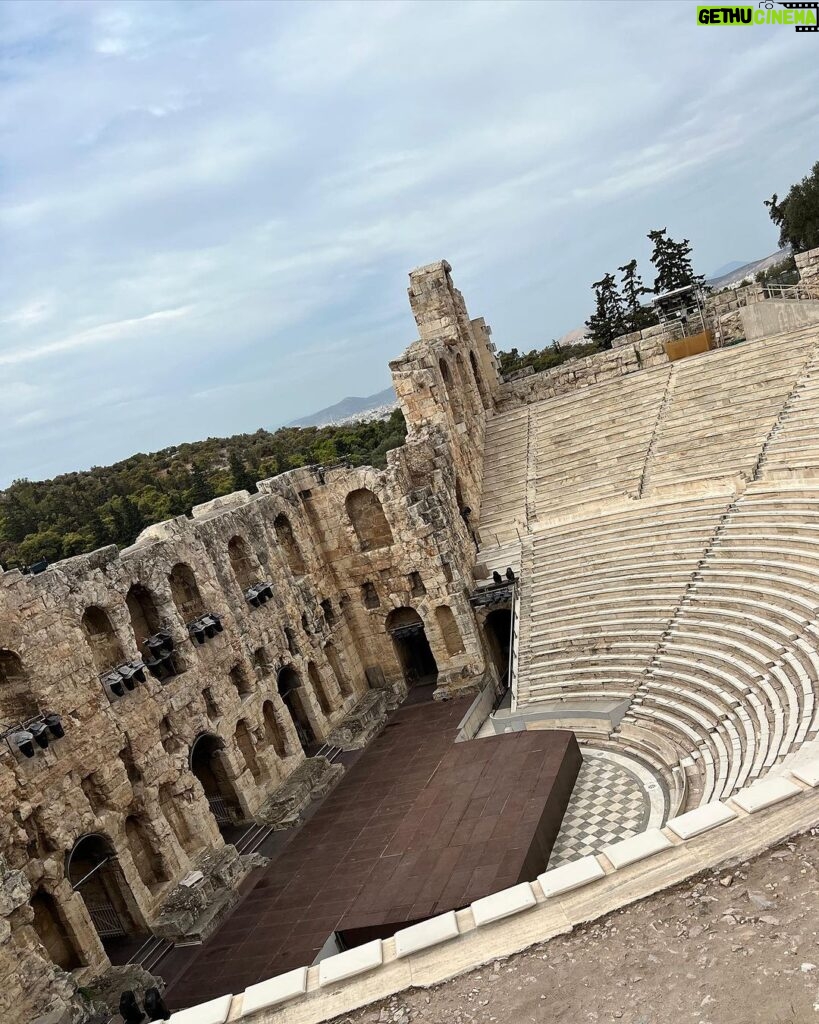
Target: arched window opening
(451, 392)
(335, 664)
(449, 630)
(207, 762)
(106, 649)
(147, 862)
(319, 688)
(292, 693)
(262, 664)
(247, 748)
(417, 588)
(467, 387)
(94, 871)
(169, 802)
(244, 563)
(369, 595)
(406, 630)
(290, 639)
(16, 700)
(476, 373)
(166, 735)
(497, 629)
(212, 709)
(366, 514)
(126, 755)
(288, 543)
(145, 620)
(274, 737)
(185, 593)
(53, 932)
(241, 680)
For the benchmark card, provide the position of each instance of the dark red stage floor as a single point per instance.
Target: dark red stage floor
(416, 826)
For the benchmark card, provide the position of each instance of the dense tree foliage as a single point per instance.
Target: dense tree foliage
(797, 216)
(78, 512)
(672, 262)
(784, 272)
(607, 322)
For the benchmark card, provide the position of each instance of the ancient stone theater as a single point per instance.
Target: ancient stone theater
(366, 729)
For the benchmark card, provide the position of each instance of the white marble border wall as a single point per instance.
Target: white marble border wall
(748, 823)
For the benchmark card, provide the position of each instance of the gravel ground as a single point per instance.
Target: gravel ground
(740, 946)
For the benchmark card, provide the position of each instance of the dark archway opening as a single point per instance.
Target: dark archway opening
(207, 764)
(409, 639)
(53, 932)
(497, 629)
(292, 693)
(95, 873)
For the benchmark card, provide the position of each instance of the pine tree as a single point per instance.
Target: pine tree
(797, 216)
(200, 489)
(607, 322)
(243, 479)
(637, 316)
(672, 261)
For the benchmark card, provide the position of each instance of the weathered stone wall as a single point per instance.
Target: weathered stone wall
(633, 352)
(807, 263)
(343, 548)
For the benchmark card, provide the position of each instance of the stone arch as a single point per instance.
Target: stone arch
(466, 384)
(169, 803)
(185, 592)
(476, 373)
(288, 543)
(243, 739)
(366, 514)
(101, 636)
(94, 872)
(147, 862)
(54, 933)
(207, 762)
(409, 639)
(452, 395)
(322, 696)
(292, 693)
(143, 612)
(274, 737)
(17, 702)
(497, 628)
(244, 563)
(449, 630)
(334, 662)
(241, 680)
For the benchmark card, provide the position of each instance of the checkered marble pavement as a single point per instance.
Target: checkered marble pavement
(609, 803)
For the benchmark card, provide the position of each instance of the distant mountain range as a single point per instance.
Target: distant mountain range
(350, 408)
(733, 273)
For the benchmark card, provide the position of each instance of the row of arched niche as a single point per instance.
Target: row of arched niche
(17, 702)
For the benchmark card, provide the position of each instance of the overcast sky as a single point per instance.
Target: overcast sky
(209, 210)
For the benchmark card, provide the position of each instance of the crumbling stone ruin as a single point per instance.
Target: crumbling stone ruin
(191, 676)
(154, 698)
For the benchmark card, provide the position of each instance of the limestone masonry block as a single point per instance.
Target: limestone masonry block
(213, 1012)
(351, 962)
(701, 819)
(426, 934)
(765, 793)
(275, 991)
(503, 904)
(638, 847)
(570, 876)
(807, 772)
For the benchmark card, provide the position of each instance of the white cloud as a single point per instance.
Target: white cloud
(235, 192)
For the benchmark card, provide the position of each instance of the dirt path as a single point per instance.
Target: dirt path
(739, 946)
